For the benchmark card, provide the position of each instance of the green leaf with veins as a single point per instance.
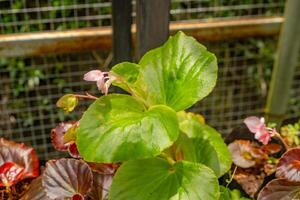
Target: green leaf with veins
(155, 178)
(203, 144)
(177, 74)
(119, 127)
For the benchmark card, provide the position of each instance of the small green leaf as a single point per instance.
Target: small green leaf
(227, 194)
(118, 128)
(70, 134)
(67, 102)
(203, 144)
(177, 74)
(157, 179)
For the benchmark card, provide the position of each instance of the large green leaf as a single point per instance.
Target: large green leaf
(119, 127)
(177, 74)
(203, 144)
(156, 179)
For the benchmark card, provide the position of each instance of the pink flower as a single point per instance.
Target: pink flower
(258, 127)
(102, 79)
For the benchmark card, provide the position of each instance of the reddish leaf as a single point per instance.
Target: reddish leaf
(73, 151)
(104, 168)
(101, 185)
(289, 165)
(57, 135)
(17, 160)
(67, 178)
(244, 154)
(10, 173)
(59, 141)
(271, 148)
(35, 191)
(269, 168)
(250, 180)
(280, 189)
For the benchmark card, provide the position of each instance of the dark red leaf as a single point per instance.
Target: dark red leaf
(65, 178)
(271, 148)
(104, 168)
(10, 173)
(101, 185)
(73, 151)
(289, 165)
(280, 189)
(35, 191)
(57, 135)
(23, 158)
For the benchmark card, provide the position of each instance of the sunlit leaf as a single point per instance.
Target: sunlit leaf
(67, 178)
(10, 173)
(17, 161)
(177, 74)
(203, 144)
(67, 102)
(227, 194)
(289, 165)
(119, 128)
(70, 134)
(280, 189)
(155, 178)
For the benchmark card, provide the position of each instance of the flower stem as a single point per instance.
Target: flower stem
(87, 96)
(168, 158)
(231, 177)
(278, 136)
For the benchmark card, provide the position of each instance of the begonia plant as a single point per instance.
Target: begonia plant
(163, 151)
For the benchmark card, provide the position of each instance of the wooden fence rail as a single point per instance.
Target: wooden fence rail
(43, 43)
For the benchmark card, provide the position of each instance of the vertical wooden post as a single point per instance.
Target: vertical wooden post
(285, 62)
(121, 21)
(152, 21)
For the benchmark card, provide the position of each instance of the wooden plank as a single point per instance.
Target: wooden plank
(121, 21)
(285, 64)
(152, 24)
(43, 43)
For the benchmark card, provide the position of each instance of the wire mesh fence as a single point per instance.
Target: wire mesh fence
(41, 15)
(31, 86)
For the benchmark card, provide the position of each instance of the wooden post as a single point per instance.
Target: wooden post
(285, 63)
(152, 21)
(121, 21)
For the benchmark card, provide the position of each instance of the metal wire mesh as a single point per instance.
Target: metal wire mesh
(29, 93)
(205, 10)
(244, 73)
(40, 15)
